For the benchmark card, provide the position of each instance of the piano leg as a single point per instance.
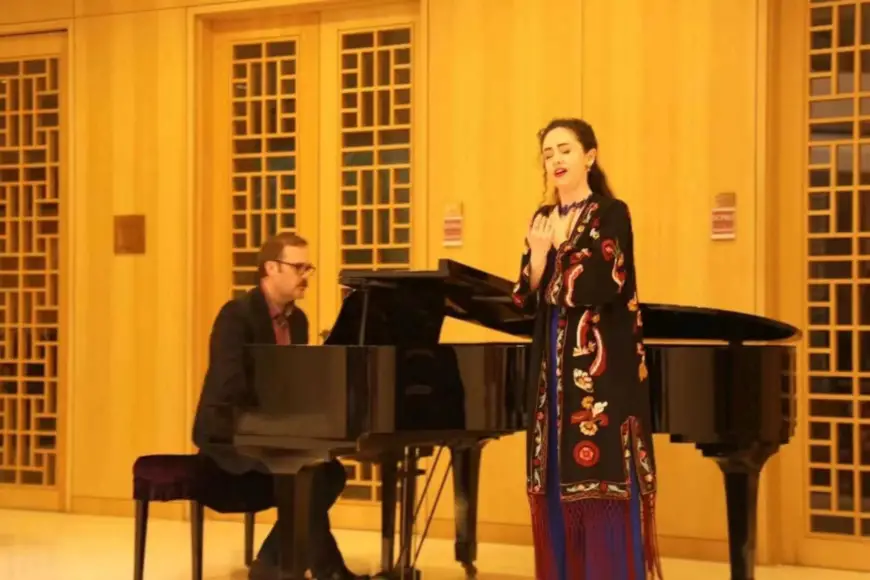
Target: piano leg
(390, 476)
(466, 477)
(293, 499)
(742, 472)
(389, 481)
(404, 570)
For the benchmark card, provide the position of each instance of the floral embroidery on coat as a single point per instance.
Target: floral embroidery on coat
(603, 413)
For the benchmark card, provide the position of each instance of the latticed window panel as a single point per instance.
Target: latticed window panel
(363, 482)
(30, 226)
(264, 149)
(838, 268)
(376, 132)
(376, 171)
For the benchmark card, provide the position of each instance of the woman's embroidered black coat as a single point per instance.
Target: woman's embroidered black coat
(604, 410)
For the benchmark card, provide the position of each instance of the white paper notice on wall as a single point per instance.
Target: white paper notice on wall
(453, 226)
(723, 218)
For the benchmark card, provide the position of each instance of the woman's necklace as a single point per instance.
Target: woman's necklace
(566, 209)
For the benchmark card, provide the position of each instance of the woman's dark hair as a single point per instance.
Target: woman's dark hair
(584, 133)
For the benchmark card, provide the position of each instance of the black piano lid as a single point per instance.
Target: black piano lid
(470, 294)
(483, 298)
(667, 321)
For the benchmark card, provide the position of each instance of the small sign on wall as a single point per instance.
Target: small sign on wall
(453, 226)
(723, 219)
(129, 234)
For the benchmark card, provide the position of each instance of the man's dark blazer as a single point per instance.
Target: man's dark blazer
(228, 385)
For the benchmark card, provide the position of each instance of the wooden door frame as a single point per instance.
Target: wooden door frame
(784, 236)
(214, 246)
(59, 497)
(199, 114)
(200, 109)
(205, 31)
(787, 184)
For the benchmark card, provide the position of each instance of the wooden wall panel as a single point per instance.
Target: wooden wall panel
(497, 72)
(130, 342)
(673, 97)
(25, 11)
(671, 89)
(107, 7)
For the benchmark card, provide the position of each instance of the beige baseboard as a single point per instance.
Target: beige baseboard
(694, 549)
(126, 508)
(17, 497)
(835, 553)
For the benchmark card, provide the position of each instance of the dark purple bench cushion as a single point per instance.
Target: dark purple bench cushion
(198, 478)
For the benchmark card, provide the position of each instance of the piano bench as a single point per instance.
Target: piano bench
(197, 479)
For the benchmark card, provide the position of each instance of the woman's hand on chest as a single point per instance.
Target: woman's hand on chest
(562, 226)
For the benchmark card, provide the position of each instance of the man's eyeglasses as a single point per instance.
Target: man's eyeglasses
(302, 268)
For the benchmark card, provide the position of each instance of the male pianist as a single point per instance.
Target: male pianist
(266, 314)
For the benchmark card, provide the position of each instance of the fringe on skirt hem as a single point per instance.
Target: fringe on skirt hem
(598, 538)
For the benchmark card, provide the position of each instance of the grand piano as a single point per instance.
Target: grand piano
(383, 389)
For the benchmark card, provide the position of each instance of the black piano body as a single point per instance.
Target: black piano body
(383, 389)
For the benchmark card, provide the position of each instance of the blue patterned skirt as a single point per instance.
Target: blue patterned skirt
(625, 557)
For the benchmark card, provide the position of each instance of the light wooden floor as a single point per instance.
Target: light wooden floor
(49, 546)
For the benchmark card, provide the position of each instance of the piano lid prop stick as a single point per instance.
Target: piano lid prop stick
(404, 549)
(431, 515)
(364, 286)
(365, 312)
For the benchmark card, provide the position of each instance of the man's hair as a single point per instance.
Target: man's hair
(273, 248)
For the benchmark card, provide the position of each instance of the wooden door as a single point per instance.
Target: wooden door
(367, 145)
(367, 149)
(33, 282)
(822, 149)
(312, 130)
(259, 169)
(263, 144)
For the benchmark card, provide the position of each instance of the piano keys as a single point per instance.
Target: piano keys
(383, 389)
